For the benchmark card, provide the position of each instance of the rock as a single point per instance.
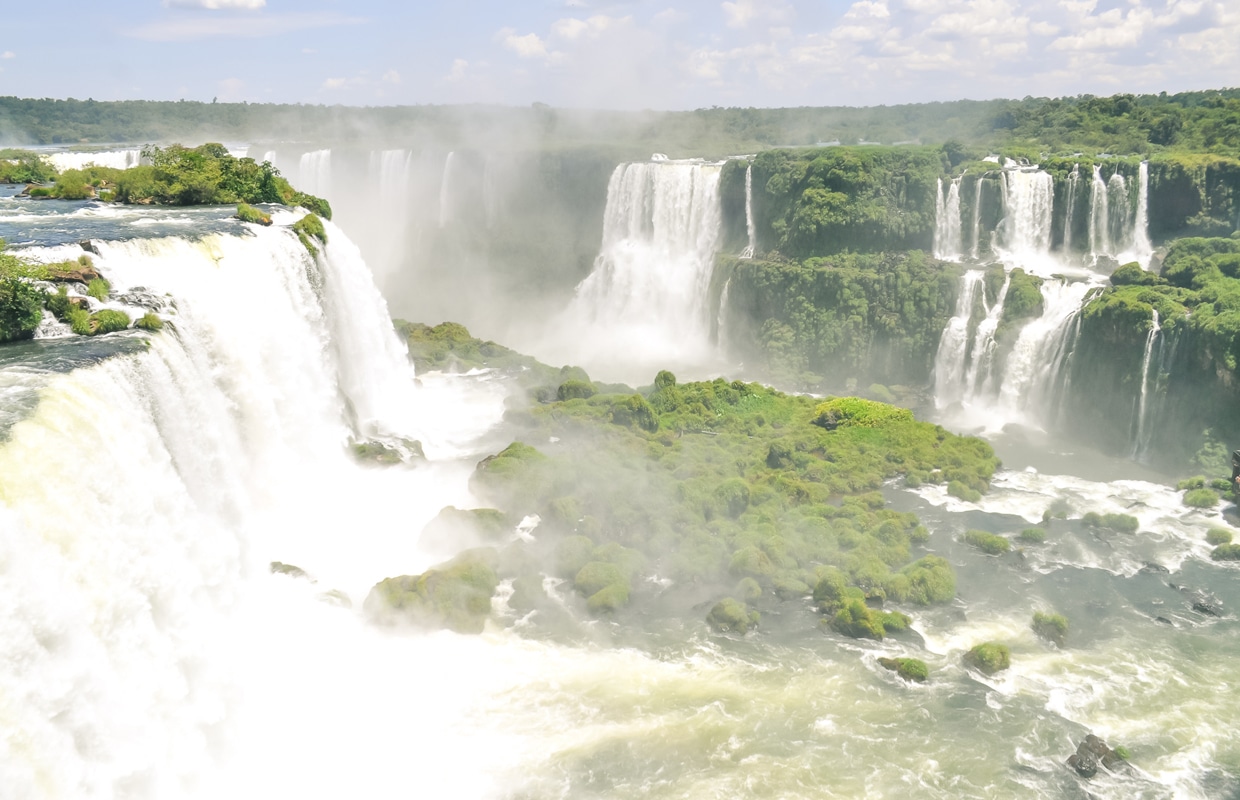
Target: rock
(1164, 621)
(1092, 752)
(910, 669)
(455, 595)
(989, 658)
(732, 616)
(335, 597)
(84, 273)
(280, 568)
(454, 528)
(89, 246)
(1201, 601)
(1150, 568)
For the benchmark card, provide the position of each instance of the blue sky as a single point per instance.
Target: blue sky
(661, 54)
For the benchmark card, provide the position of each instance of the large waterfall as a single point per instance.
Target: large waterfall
(1141, 441)
(647, 299)
(948, 237)
(751, 227)
(1028, 204)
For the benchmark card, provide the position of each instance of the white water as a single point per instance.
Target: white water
(980, 375)
(115, 159)
(445, 192)
(1099, 216)
(751, 228)
(646, 300)
(1141, 442)
(314, 173)
(977, 218)
(1139, 247)
(1073, 189)
(948, 235)
(1028, 202)
(383, 225)
(951, 358)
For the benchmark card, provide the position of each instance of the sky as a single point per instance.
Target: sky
(657, 54)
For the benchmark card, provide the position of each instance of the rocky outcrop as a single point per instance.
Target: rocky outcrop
(1091, 753)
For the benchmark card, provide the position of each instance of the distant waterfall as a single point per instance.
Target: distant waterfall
(977, 218)
(1118, 223)
(445, 191)
(951, 359)
(647, 297)
(979, 379)
(314, 173)
(1028, 201)
(947, 226)
(116, 159)
(1070, 193)
(1141, 442)
(750, 226)
(1141, 248)
(1099, 217)
(1034, 370)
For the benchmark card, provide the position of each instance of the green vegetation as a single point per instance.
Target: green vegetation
(963, 491)
(248, 213)
(24, 166)
(150, 321)
(989, 658)
(988, 543)
(107, 321)
(848, 411)
(98, 288)
(876, 317)
(308, 229)
(1051, 627)
(1218, 536)
(1226, 552)
(910, 669)
(1121, 523)
(1033, 535)
(732, 616)
(1201, 498)
(455, 595)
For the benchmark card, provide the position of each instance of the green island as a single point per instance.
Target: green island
(741, 496)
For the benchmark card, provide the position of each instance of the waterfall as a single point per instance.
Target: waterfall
(143, 496)
(977, 218)
(490, 191)
(951, 359)
(1099, 217)
(1033, 371)
(647, 296)
(947, 230)
(1028, 201)
(1069, 218)
(979, 379)
(1141, 441)
(751, 228)
(314, 173)
(722, 316)
(383, 226)
(1117, 201)
(115, 159)
(445, 192)
(1141, 249)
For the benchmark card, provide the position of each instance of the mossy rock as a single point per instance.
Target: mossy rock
(149, 321)
(1218, 536)
(789, 587)
(280, 568)
(609, 599)
(575, 390)
(989, 658)
(633, 411)
(455, 595)
(988, 543)
(855, 411)
(732, 616)
(963, 491)
(248, 213)
(309, 229)
(1033, 535)
(370, 452)
(1201, 498)
(931, 579)
(107, 321)
(1226, 552)
(732, 497)
(1121, 523)
(597, 575)
(854, 618)
(1051, 627)
(748, 589)
(454, 526)
(571, 554)
(910, 669)
(527, 593)
(751, 562)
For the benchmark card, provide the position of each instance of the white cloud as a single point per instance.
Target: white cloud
(459, 66)
(8, 54)
(184, 29)
(248, 5)
(740, 13)
(528, 46)
(391, 76)
(569, 28)
(335, 83)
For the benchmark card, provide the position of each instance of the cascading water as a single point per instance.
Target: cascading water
(1099, 217)
(115, 159)
(948, 236)
(979, 378)
(314, 173)
(1070, 195)
(445, 192)
(751, 228)
(1141, 441)
(976, 245)
(951, 359)
(1117, 205)
(1140, 248)
(1028, 202)
(646, 299)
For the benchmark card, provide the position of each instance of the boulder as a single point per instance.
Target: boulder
(732, 616)
(455, 595)
(64, 273)
(1092, 752)
(910, 669)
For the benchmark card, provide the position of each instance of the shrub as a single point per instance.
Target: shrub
(857, 620)
(150, 321)
(729, 615)
(1033, 535)
(574, 390)
(930, 580)
(910, 669)
(1122, 523)
(962, 490)
(989, 658)
(846, 411)
(309, 228)
(79, 321)
(248, 213)
(732, 496)
(633, 411)
(1218, 536)
(1052, 627)
(108, 321)
(987, 542)
(98, 288)
(1191, 483)
(21, 309)
(1226, 552)
(598, 575)
(1201, 498)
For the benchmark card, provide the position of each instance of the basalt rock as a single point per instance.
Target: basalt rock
(1092, 752)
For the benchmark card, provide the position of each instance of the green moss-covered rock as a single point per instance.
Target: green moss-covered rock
(575, 390)
(453, 527)
(751, 562)
(963, 491)
(633, 411)
(149, 321)
(309, 229)
(1218, 536)
(1201, 498)
(1033, 535)
(989, 658)
(107, 320)
(910, 669)
(597, 575)
(857, 620)
(571, 554)
(988, 543)
(732, 616)
(248, 213)
(609, 599)
(930, 579)
(1226, 552)
(1121, 523)
(1051, 627)
(455, 595)
(748, 589)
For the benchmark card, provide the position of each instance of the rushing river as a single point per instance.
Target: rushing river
(147, 651)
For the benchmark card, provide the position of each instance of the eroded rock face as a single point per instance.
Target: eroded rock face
(82, 273)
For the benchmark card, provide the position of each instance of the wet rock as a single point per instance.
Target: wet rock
(1201, 601)
(1150, 568)
(280, 568)
(1092, 752)
(910, 669)
(89, 246)
(83, 273)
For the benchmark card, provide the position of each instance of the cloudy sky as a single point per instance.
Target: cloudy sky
(661, 54)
